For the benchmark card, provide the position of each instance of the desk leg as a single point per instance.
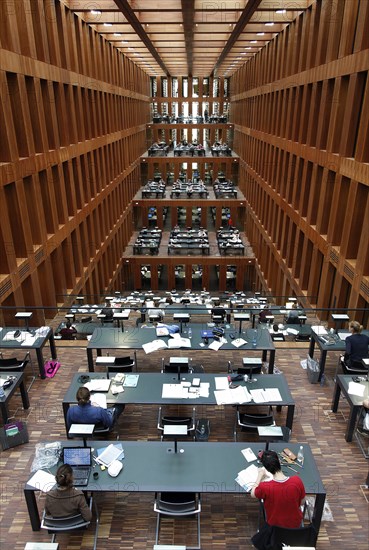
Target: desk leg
(253, 320)
(240, 327)
(290, 415)
(65, 411)
(318, 512)
(336, 397)
(4, 412)
(312, 346)
(90, 360)
(271, 361)
(351, 423)
(24, 395)
(40, 360)
(323, 357)
(32, 509)
(54, 355)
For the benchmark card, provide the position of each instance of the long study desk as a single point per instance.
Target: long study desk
(114, 339)
(9, 392)
(151, 467)
(150, 388)
(37, 345)
(338, 345)
(355, 402)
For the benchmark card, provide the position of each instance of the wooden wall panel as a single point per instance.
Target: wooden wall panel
(301, 130)
(66, 149)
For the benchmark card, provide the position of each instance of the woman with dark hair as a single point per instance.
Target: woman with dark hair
(282, 495)
(65, 500)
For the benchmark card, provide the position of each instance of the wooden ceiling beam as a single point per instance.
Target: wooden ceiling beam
(129, 14)
(188, 14)
(247, 13)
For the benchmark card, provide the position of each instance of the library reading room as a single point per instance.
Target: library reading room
(184, 274)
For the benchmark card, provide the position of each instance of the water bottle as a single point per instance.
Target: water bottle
(2, 393)
(300, 455)
(254, 342)
(190, 333)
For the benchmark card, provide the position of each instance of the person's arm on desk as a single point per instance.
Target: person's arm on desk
(261, 475)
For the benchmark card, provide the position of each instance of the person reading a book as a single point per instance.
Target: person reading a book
(65, 500)
(86, 412)
(282, 496)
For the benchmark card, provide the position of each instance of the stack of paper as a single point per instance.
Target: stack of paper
(238, 342)
(43, 481)
(155, 345)
(177, 342)
(266, 395)
(99, 400)
(319, 329)
(109, 454)
(356, 389)
(234, 396)
(98, 384)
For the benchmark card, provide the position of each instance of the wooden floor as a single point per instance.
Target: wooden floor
(227, 522)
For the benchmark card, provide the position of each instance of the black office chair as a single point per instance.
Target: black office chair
(188, 421)
(177, 505)
(70, 523)
(251, 369)
(122, 364)
(173, 367)
(17, 365)
(86, 319)
(249, 422)
(303, 536)
(356, 367)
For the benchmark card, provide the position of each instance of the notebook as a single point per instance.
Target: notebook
(79, 458)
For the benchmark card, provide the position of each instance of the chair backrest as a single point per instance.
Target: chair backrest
(178, 504)
(64, 523)
(305, 535)
(12, 363)
(255, 420)
(256, 369)
(174, 368)
(355, 367)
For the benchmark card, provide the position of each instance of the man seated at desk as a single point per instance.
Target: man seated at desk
(88, 413)
(68, 332)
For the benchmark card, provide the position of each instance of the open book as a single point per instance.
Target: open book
(155, 345)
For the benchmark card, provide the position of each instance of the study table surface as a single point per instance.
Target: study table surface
(151, 466)
(150, 386)
(338, 345)
(355, 402)
(9, 392)
(133, 338)
(38, 345)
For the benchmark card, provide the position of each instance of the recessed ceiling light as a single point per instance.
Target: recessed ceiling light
(131, 49)
(95, 12)
(269, 24)
(117, 34)
(281, 11)
(243, 53)
(260, 33)
(108, 24)
(253, 41)
(124, 42)
(248, 48)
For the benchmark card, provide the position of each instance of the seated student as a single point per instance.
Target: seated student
(356, 345)
(68, 332)
(65, 500)
(292, 316)
(108, 312)
(363, 424)
(282, 495)
(88, 413)
(263, 314)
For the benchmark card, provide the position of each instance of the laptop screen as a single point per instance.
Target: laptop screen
(77, 456)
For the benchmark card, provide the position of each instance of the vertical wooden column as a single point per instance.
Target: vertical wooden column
(188, 275)
(171, 277)
(222, 277)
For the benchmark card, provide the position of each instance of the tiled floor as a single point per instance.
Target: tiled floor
(227, 522)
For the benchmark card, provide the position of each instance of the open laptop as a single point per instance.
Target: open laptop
(79, 458)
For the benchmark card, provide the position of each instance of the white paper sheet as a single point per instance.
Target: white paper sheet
(43, 481)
